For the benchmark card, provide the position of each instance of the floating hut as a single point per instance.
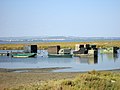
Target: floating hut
(29, 51)
(55, 51)
(109, 50)
(85, 50)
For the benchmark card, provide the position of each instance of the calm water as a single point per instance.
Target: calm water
(103, 62)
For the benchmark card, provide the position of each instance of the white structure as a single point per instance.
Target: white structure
(64, 51)
(77, 47)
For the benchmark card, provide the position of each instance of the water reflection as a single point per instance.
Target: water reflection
(58, 60)
(110, 56)
(7, 59)
(87, 60)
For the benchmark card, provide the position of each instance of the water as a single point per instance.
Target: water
(103, 62)
(28, 40)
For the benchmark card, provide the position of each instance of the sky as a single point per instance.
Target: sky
(81, 18)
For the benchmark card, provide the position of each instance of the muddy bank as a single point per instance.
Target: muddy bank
(33, 70)
(16, 77)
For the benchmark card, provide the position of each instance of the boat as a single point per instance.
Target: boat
(28, 51)
(84, 55)
(60, 55)
(23, 55)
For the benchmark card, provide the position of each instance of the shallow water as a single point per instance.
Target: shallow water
(103, 62)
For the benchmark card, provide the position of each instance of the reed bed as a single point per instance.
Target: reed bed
(45, 45)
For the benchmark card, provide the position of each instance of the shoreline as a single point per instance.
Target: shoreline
(46, 70)
(9, 78)
(32, 70)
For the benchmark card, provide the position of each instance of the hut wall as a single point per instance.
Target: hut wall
(27, 49)
(33, 48)
(53, 49)
(93, 52)
(115, 49)
(77, 47)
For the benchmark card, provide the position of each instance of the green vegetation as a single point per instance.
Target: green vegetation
(86, 81)
(45, 45)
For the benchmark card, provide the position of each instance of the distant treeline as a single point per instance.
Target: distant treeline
(45, 45)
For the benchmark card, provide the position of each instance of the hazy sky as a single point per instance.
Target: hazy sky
(83, 18)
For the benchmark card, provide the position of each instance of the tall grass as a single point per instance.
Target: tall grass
(45, 45)
(88, 81)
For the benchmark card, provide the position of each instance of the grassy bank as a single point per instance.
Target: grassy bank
(62, 44)
(9, 78)
(85, 81)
